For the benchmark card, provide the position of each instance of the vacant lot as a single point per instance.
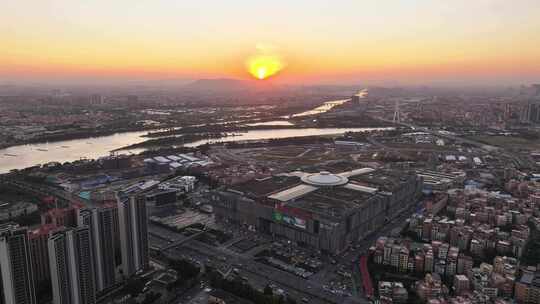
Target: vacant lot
(509, 142)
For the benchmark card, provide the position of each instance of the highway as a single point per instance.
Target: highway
(443, 135)
(62, 196)
(259, 274)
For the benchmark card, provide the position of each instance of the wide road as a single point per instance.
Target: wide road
(261, 274)
(258, 274)
(43, 190)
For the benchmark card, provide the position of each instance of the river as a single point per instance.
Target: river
(325, 107)
(22, 156)
(283, 133)
(18, 157)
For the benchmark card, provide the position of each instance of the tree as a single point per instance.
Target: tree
(151, 297)
(290, 300)
(185, 269)
(134, 286)
(268, 290)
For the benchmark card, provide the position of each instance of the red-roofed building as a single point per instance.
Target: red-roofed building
(366, 278)
(60, 217)
(39, 252)
(49, 200)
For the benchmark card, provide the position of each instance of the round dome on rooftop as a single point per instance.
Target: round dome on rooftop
(324, 178)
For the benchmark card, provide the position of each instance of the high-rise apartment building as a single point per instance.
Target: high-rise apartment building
(72, 266)
(15, 265)
(96, 99)
(531, 112)
(133, 226)
(101, 224)
(39, 252)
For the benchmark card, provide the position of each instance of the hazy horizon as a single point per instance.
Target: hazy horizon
(186, 82)
(400, 43)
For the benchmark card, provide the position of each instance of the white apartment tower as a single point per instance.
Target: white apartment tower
(100, 221)
(72, 266)
(15, 266)
(133, 226)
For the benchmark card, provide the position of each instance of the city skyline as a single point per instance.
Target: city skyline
(270, 152)
(403, 42)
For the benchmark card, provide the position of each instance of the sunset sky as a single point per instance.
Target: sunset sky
(338, 41)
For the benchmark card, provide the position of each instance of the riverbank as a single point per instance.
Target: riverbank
(83, 134)
(171, 141)
(68, 151)
(135, 142)
(256, 122)
(321, 122)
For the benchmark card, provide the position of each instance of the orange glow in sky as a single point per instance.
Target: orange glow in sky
(265, 64)
(320, 41)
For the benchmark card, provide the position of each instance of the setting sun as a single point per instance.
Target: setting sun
(264, 66)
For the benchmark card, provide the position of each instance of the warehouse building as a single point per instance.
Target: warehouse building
(323, 210)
